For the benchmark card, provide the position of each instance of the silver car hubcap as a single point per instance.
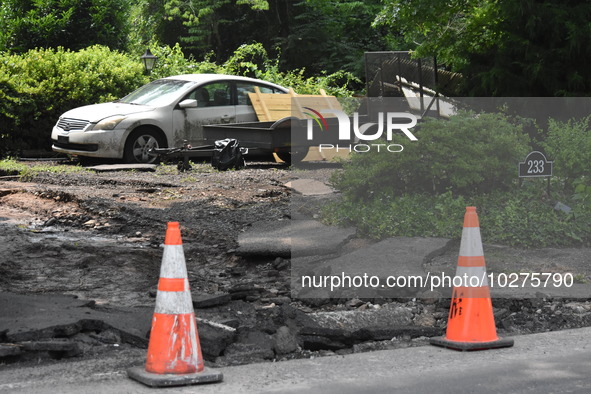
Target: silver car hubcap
(141, 148)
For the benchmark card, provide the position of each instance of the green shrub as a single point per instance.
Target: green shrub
(172, 61)
(408, 215)
(525, 217)
(582, 193)
(252, 60)
(72, 24)
(39, 85)
(468, 160)
(467, 154)
(520, 217)
(568, 144)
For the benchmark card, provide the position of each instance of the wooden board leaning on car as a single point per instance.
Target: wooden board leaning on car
(270, 106)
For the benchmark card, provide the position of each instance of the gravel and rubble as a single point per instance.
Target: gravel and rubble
(98, 237)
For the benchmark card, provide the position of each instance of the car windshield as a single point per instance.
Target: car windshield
(156, 93)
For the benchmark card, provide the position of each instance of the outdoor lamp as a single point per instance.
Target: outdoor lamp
(149, 60)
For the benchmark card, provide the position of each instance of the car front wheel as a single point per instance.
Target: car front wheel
(139, 144)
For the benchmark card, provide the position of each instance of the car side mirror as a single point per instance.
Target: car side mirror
(188, 103)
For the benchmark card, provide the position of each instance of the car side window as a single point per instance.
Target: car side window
(201, 95)
(243, 88)
(212, 95)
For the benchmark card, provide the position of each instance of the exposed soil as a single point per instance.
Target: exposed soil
(98, 236)
(89, 233)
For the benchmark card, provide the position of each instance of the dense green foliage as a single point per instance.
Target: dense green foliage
(39, 85)
(503, 48)
(333, 35)
(206, 21)
(569, 144)
(470, 160)
(72, 24)
(520, 217)
(253, 61)
(313, 34)
(442, 159)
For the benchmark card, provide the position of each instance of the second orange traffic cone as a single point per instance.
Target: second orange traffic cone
(471, 323)
(174, 353)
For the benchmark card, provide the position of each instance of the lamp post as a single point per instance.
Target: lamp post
(149, 60)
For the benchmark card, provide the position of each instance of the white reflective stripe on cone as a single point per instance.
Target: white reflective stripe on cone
(173, 302)
(173, 262)
(471, 244)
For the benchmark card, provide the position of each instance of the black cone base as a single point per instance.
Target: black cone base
(464, 346)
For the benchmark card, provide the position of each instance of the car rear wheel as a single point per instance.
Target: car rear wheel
(138, 145)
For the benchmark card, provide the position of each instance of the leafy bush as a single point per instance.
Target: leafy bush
(466, 154)
(252, 60)
(524, 217)
(72, 24)
(468, 160)
(569, 145)
(405, 215)
(39, 85)
(520, 217)
(582, 192)
(172, 61)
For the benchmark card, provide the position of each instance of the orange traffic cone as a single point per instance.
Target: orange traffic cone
(471, 323)
(174, 353)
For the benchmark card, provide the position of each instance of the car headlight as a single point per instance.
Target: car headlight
(108, 123)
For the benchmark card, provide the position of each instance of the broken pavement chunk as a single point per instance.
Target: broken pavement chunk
(310, 187)
(210, 300)
(9, 349)
(284, 237)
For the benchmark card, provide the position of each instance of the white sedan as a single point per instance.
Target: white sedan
(163, 113)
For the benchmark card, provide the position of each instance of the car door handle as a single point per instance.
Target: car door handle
(227, 118)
